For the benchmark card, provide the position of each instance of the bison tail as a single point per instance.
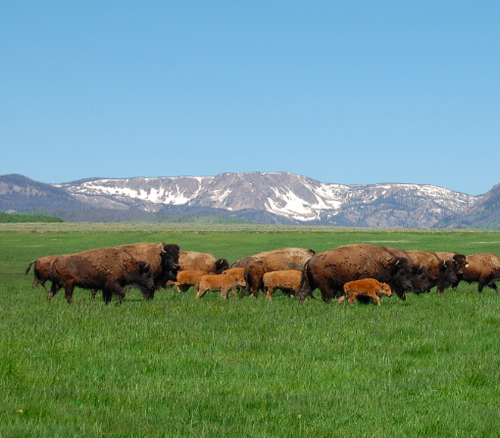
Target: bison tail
(29, 267)
(304, 286)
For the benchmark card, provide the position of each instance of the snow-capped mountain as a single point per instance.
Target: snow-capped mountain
(286, 197)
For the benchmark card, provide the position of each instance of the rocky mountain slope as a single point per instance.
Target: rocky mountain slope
(276, 197)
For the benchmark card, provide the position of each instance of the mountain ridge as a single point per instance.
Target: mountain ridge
(269, 197)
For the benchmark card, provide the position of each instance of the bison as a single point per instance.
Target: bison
(442, 272)
(278, 260)
(483, 269)
(234, 271)
(106, 269)
(287, 281)
(162, 258)
(188, 278)
(366, 287)
(41, 270)
(219, 282)
(330, 270)
(193, 260)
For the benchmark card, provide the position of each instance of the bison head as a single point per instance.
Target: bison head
(170, 261)
(420, 281)
(460, 261)
(221, 265)
(400, 276)
(448, 274)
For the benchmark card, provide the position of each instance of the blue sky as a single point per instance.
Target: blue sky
(350, 92)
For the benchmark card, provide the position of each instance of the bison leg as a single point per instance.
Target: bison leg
(493, 285)
(121, 296)
(351, 298)
(269, 292)
(53, 290)
(68, 293)
(106, 296)
(200, 293)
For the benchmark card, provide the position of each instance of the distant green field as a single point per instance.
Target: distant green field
(177, 367)
(14, 218)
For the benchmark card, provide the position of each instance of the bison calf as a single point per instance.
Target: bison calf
(287, 281)
(367, 287)
(220, 282)
(188, 278)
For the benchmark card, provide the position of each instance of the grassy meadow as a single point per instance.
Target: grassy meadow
(177, 367)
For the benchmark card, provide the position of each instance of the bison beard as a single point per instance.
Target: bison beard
(330, 270)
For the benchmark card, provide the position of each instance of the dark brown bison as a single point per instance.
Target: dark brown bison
(277, 260)
(366, 287)
(460, 261)
(106, 269)
(41, 270)
(330, 270)
(442, 272)
(193, 260)
(483, 269)
(163, 260)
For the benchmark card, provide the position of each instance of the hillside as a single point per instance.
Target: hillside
(268, 197)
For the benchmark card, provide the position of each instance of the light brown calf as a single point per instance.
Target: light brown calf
(287, 281)
(367, 287)
(221, 282)
(234, 271)
(188, 278)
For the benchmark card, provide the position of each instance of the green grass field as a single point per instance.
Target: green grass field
(177, 367)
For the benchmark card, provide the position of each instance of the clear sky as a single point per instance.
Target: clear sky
(350, 92)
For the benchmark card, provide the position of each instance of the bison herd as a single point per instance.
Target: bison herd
(357, 271)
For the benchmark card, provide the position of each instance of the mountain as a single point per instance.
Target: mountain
(19, 193)
(270, 197)
(484, 214)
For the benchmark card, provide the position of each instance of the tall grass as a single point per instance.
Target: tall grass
(175, 366)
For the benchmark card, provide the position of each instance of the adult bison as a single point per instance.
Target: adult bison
(277, 260)
(204, 261)
(330, 270)
(483, 269)
(106, 269)
(442, 272)
(162, 258)
(41, 269)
